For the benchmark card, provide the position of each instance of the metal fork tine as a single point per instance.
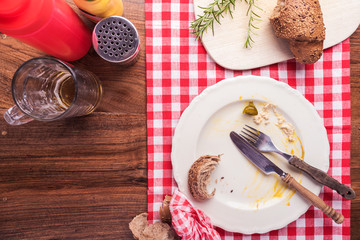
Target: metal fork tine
(254, 135)
(248, 137)
(252, 128)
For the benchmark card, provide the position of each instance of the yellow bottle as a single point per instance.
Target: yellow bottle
(97, 9)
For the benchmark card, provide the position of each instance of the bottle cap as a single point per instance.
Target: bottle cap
(21, 17)
(116, 40)
(9, 8)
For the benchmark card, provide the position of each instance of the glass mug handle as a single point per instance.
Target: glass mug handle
(14, 116)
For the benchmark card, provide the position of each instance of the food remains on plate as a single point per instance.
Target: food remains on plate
(264, 115)
(199, 176)
(250, 109)
(301, 23)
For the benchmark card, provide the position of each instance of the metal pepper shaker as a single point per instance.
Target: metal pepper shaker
(116, 40)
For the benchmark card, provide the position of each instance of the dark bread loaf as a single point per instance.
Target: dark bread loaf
(199, 176)
(301, 23)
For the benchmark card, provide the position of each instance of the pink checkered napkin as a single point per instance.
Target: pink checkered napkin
(178, 69)
(190, 223)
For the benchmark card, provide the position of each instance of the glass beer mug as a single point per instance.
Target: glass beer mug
(48, 89)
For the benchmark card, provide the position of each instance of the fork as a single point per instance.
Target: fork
(264, 143)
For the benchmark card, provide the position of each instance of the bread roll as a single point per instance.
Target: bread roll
(158, 231)
(301, 23)
(141, 230)
(138, 224)
(164, 210)
(199, 176)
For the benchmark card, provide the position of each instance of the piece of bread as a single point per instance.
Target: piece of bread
(164, 210)
(138, 224)
(301, 23)
(199, 176)
(158, 231)
(306, 52)
(141, 230)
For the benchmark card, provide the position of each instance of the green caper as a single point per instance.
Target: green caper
(250, 109)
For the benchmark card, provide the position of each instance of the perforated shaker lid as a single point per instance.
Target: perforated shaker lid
(116, 39)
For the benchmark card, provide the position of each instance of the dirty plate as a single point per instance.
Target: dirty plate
(246, 200)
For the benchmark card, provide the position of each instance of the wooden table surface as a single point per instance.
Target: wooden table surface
(86, 177)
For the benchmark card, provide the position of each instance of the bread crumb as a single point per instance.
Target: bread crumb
(264, 114)
(231, 190)
(3, 133)
(287, 128)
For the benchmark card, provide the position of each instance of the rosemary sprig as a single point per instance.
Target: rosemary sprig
(252, 17)
(212, 12)
(215, 10)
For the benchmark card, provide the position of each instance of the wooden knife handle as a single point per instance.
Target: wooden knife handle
(314, 200)
(323, 178)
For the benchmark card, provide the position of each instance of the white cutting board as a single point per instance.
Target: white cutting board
(226, 47)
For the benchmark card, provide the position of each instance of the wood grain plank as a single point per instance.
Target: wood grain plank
(76, 179)
(79, 178)
(355, 131)
(98, 213)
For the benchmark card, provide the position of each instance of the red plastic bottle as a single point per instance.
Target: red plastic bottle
(51, 26)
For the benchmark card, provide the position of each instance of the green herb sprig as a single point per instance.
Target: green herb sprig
(215, 10)
(253, 16)
(212, 12)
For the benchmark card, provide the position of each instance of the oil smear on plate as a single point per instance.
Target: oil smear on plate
(239, 183)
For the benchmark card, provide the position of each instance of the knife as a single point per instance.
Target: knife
(267, 167)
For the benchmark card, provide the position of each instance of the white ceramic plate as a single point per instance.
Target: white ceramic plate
(246, 200)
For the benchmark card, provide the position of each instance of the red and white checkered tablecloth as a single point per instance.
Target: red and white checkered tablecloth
(178, 69)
